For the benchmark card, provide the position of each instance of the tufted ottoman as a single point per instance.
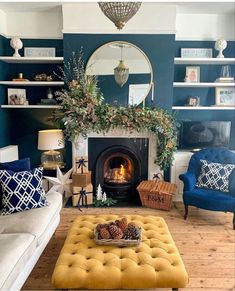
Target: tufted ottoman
(155, 263)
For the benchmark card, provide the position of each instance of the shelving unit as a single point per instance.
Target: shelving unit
(31, 106)
(32, 60)
(203, 107)
(204, 61)
(31, 83)
(203, 84)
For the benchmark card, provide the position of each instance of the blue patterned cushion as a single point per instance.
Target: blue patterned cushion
(15, 166)
(22, 190)
(214, 176)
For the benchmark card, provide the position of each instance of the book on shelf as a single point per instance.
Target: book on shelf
(225, 79)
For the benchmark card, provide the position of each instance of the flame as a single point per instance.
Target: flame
(120, 174)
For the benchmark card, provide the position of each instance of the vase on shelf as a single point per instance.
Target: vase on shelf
(16, 44)
(220, 45)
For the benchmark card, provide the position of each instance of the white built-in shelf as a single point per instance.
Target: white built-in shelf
(31, 106)
(204, 61)
(31, 83)
(203, 107)
(32, 60)
(202, 84)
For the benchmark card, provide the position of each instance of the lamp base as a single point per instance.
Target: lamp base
(51, 159)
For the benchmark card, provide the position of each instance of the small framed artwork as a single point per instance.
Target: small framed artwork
(193, 74)
(193, 101)
(39, 52)
(196, 53)
(225, 96)
(16, 97)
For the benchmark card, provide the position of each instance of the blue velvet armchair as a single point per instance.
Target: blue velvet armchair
(206, 198)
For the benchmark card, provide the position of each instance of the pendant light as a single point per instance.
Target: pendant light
(121, 72)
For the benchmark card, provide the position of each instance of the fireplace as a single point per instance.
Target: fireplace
(118, 165)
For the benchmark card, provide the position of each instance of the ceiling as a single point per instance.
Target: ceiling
(189, 7)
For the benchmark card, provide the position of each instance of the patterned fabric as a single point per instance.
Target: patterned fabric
(22, 190)
(214, 176)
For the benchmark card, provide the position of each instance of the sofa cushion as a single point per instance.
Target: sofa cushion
(15, 166)
(34, 221)
(22, 190)
(15, 251)
(215, 176)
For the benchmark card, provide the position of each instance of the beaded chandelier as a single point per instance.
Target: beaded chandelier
(121, 72)
(119, 12)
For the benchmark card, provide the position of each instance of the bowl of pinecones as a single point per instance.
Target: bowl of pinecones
(118, 233)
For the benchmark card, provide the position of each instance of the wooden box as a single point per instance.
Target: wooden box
(157, 194)
(81, 180)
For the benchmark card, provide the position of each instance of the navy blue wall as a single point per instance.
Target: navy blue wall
(158, 48)
(23, 124)
(208, 73)
(4, 116)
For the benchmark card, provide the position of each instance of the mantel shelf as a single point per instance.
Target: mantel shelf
(31, 83)
(202, 84)
(203, 107)
(204, 61)
(32, 60)
(31, 106)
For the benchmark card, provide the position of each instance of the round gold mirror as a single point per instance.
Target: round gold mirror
(123, 71)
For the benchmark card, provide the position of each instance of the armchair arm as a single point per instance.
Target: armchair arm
(189, 179)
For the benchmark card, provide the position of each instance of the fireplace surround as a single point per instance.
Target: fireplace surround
(116, 153)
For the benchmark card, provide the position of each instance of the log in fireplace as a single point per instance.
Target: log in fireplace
(118, 165)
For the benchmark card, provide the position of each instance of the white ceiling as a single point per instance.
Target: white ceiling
(188, 7)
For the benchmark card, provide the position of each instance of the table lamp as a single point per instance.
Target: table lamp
(50, 141)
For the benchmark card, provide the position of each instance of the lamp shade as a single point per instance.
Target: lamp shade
(51, 139)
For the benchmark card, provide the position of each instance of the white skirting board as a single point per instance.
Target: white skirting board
(9, 153)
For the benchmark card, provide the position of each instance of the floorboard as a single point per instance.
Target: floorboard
(206, 242)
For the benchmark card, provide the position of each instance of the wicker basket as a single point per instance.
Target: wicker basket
(117, 242)
(157, 194)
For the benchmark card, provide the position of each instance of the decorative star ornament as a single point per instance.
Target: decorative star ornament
(62, 183)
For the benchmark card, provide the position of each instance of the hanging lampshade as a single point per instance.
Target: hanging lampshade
(121, 73)
(119, 12)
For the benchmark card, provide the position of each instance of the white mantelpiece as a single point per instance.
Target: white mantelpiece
(80, 147)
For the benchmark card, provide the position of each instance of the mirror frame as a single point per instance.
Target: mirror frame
(143, 53)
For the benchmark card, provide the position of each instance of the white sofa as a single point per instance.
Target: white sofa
(23, 237)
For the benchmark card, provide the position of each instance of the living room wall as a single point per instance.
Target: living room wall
(4, 116)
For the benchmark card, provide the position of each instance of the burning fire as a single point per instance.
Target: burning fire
(120, 173)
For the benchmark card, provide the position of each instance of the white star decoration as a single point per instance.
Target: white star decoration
(62, 183)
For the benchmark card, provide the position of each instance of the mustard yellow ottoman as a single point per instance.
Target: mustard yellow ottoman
(155, 263)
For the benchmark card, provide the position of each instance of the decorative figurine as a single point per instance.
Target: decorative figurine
(220, 45)
(16, 44)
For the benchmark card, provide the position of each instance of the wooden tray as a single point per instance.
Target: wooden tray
(117, 242)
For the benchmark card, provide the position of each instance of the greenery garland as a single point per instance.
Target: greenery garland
(83, 110)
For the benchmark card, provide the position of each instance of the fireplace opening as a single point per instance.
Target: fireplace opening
(118, 169)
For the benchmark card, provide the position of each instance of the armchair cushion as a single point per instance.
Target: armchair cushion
(214, 176)
(209, 199)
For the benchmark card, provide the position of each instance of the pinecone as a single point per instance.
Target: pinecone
(104, 233)
(115, 232)
(131, 232)
(123, 223)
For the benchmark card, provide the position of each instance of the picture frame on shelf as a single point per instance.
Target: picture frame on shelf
(39, 52)
(225, 96)
(16, 96)
(193, 101)
(196, 53)
(192, 74)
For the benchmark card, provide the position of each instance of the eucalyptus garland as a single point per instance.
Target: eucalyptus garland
(83, 110)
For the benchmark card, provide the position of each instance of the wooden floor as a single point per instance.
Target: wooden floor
(205, 241)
